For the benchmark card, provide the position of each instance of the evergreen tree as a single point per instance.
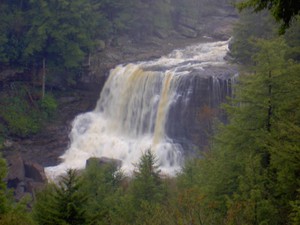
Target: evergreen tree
(101, 183)
(13, 29)
(282, 10)
(292, 38)
(146, 192)
(249, 28)
(61, 34)
(63, 203)
(147, 184)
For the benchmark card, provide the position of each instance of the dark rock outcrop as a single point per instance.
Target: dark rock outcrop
(16, 171)
(34, 171)
(104, 161)
(192, 126)
(187, 32)
(24, 177)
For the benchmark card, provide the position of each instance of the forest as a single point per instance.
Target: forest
(250, 175)
(48, 44)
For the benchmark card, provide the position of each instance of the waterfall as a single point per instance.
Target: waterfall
(151, 105)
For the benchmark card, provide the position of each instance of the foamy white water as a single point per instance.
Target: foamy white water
(131, 113)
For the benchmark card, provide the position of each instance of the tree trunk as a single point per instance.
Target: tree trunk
(43, 78)
(269, 103)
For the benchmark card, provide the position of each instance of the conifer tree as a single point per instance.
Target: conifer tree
(101, 183)
(146, 191)
(147, 184)
(63, 203)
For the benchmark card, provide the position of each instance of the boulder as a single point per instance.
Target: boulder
(24, 177)
(187, 32)
(20, 190)
(104, 161)
(16, 171)
(160, 33)
(35, 172)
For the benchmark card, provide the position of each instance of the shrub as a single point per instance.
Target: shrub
(20, 119)
(49, 105)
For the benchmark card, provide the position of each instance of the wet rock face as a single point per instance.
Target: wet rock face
(191, 116)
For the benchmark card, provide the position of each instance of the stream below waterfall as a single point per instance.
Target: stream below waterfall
(162, 105)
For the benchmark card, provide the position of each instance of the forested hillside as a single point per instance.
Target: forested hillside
(47, 46)
(249, 176)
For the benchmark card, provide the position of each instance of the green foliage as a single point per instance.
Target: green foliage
(101, 183)
(147, 184)
(62, 203)
(154, 214)
(62, 32)
(282, 10)
(20, 119)
(249, 28)
(292, 38)
(250, 176)
(3, 190)
(146, 192)
(295, 214)
(21, 114)
(49, 105)
(11, 213)
(17, 213)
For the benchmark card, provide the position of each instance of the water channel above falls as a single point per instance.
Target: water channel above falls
(166, 105)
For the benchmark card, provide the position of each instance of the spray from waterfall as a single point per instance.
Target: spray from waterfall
(132, 113)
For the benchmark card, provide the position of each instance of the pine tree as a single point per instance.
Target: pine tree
(101, 183)
(146, 191)
(63, 203)
(147, 184)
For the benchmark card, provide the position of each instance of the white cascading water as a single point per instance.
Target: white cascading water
(131, 114)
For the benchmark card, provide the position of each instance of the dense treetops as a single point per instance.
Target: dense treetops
(282, 10)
